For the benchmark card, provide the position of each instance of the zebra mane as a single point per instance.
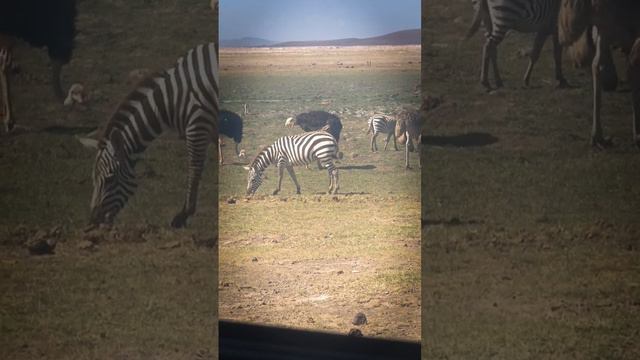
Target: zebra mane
(147, 82)
(255, 159)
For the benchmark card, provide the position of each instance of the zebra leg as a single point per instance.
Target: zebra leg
(538, 42)
(484, 72)
(334, 174)
(493, 57)
(280, 173)
(386, 142)
(561, 82)
(420, 151)
(597, 139)
(406, 151)
(374, 146)
(395, 144)
(489, 55)
(333, 179)
(197, 144)
(293, 177)
(220, 157)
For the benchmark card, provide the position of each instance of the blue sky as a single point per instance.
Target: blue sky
(291, 20)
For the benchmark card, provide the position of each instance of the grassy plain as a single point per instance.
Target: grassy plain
(530, 248)
(314, 260)
(144, 291)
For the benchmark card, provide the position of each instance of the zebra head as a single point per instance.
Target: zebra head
(254, 180)
(112, 180)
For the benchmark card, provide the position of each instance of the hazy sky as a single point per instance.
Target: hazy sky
(288, 20)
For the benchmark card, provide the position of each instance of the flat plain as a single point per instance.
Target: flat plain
(530, 248)
(315, 260)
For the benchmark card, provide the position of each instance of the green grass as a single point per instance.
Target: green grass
(531, 241)
(357, 250)
(128, 298)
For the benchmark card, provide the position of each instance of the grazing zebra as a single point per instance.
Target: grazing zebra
(183, 98)
(607, 24)
(408, 130)
(381, 124)
(527, 16)
(289, 151)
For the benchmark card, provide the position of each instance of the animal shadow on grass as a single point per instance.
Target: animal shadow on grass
(356, 167)
(454, 221)
(463, 140)
(344, 193)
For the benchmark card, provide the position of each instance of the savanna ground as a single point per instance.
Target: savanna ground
(141, 290)
(531, 241)
(314, 260)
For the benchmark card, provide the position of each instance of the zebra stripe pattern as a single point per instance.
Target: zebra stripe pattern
(183, 98)
(290, 151)
(381, 124)
(526, 16)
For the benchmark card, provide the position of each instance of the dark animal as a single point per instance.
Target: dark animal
(526, 16)
(41, 23)
(316, 120)
(615, 23)
(231, 126)
(408, 130)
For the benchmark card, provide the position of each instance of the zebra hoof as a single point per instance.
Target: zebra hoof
(601, 143)
(179, 221)
(275, 192)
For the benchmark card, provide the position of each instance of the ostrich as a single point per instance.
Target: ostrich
(41, 23)
(614, 23)
(315, 120)
(231, 126)
(408, 130)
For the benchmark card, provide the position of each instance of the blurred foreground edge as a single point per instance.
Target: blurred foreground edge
(250, 341)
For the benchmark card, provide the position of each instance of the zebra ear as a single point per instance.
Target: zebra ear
(246, 168)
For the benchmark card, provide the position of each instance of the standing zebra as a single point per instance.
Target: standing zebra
(381, 124)
(409, 129)
(183, 98)
(289, 151)
(527, 16)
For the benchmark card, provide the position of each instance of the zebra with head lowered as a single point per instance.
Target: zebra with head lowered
(289, 151)
(526, 16)
(183, 98)
(381, 124)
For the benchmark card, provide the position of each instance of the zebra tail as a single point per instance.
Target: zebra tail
(574, 30)
(477, 19)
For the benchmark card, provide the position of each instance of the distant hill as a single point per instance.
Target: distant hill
(404, 37)
(246, 42)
